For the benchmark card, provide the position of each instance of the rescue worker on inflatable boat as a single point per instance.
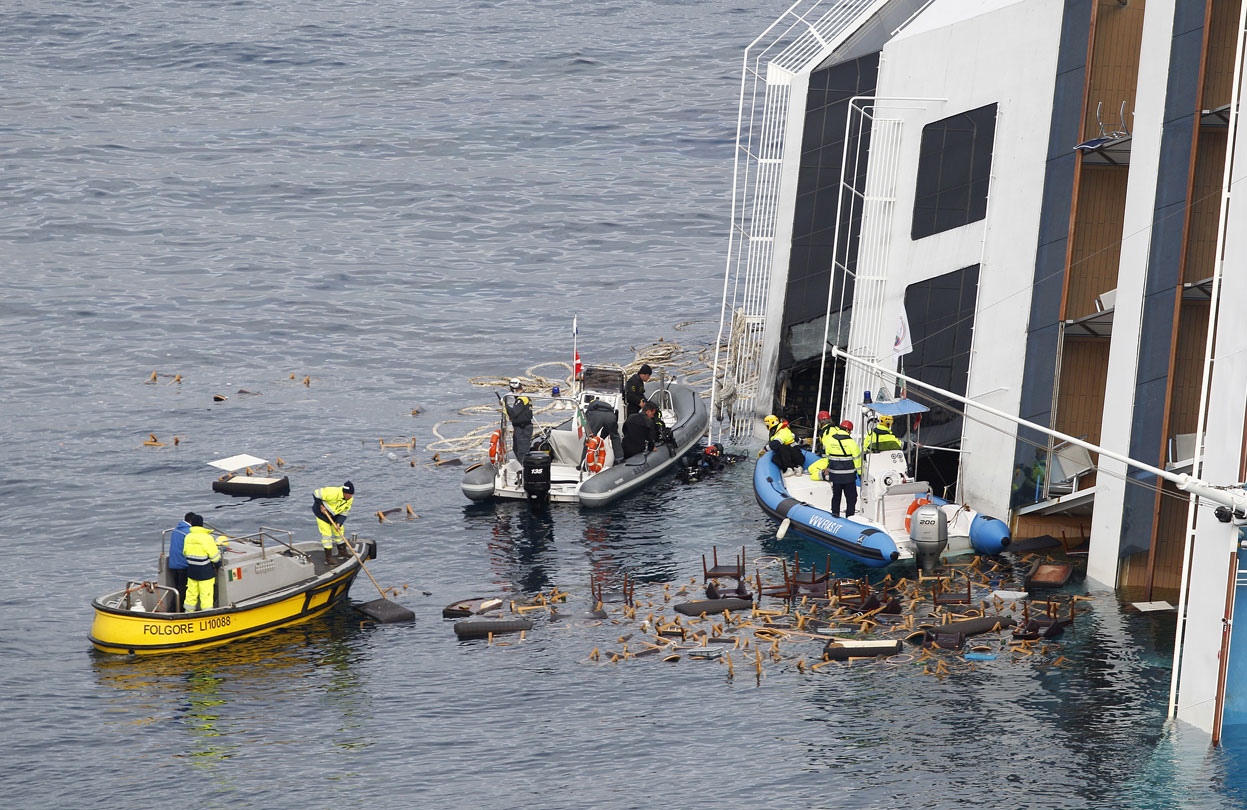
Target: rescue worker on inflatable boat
(822, 426)
(520, 411)
(639, 434)
(881, 439)
(840, 465)
(604, 422)
(331, 505)
(634, 389)
(783, 445)
(202, 558)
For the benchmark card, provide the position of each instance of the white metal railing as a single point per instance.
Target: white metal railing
(871, 329)
(787, 51)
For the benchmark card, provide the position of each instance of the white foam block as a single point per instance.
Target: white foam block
(1148, 607)
(1010, 594)
(236, 462)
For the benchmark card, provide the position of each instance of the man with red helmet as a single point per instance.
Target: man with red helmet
(840, 464)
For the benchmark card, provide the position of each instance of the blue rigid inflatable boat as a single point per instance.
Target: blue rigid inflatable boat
(870, 545)
(888, 495)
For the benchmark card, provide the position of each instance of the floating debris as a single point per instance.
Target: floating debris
(848, 620)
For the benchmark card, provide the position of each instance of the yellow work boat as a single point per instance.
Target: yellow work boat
(266, 581)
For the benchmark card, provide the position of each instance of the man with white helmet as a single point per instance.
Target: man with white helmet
(520, 410)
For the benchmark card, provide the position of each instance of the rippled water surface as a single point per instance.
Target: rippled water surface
(391, 198)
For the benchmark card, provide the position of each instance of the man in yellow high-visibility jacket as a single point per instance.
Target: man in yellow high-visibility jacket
(331, 505)
(881, 438)
(783, 445)
(202, 557)
(840, 465)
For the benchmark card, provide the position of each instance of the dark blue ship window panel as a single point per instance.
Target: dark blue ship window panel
(941, 321)
(954, 169)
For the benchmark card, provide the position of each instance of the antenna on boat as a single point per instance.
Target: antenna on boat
(577, 382)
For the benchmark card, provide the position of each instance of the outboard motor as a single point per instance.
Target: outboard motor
(928, 528)
(537, 476)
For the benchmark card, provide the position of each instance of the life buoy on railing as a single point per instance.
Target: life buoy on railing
(913, 507)
(595, 454)
(496, 451)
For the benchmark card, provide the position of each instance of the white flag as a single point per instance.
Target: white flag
(904, 343)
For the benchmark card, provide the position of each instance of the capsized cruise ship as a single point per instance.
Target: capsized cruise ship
(1028, 203)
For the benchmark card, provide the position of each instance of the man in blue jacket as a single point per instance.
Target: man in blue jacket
(177, 560)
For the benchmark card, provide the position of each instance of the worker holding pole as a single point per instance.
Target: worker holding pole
(331, 505)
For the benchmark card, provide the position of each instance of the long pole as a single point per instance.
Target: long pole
(338, 531)
(1214, 305)
(1235, 498)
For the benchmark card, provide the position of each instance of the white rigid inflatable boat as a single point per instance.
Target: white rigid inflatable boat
(557, 469)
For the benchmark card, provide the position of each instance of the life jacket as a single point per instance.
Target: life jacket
(783, 434)
(881, 439)
(521, 412)
(842, 452)
(333, 499)
(201, 552)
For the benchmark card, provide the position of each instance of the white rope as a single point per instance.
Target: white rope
(474, 443)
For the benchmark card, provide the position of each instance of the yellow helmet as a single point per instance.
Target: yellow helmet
(885, 421)
(771, 421)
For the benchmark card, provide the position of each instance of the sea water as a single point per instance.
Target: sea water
(388, 199)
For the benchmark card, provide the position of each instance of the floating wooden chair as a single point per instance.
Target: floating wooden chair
(786, 590)
(811, 581)
(597, 588)
(938, 589)
(715, 571)
(851, 592)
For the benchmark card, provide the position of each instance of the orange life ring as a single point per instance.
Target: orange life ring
(496, 451)
(913, 507)
(595, 454)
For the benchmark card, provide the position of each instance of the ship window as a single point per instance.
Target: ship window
(954, 167)
(941, 312)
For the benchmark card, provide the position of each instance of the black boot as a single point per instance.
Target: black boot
(343, 553)
(328, 557)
